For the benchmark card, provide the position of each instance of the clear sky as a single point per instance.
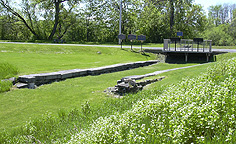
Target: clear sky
(207, 3)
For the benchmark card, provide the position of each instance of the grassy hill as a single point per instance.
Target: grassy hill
(55, 112)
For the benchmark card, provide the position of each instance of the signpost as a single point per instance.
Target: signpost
(179, 34)
(142, 38)
(121, 37)
(131, 37)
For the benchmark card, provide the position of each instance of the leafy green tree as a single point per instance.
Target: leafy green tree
(56, 16)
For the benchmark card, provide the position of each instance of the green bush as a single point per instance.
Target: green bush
(5, 86)
(199, 110)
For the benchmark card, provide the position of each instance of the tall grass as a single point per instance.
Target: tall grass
(58, 129)
(6, 71)
(199, 110)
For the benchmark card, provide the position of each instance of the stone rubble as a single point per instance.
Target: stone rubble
(129, 85)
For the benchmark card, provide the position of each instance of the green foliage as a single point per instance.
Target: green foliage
(5, 86)
(96, 20)
(221, 26)
(220, 35)
(196, 110)
(6, 71)
(52, 128)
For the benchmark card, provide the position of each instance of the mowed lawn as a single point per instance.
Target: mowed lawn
(35, 58)
(20, 105)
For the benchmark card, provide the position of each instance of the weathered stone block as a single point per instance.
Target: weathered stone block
(66, 74)
(48, 76)
(27, 78)
(80, 72)
(22, 85)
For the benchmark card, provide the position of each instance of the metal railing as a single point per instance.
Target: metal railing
(186, 45)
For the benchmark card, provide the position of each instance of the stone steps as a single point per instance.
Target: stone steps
(34, 80)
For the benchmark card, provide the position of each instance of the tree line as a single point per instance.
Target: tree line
(98, 20)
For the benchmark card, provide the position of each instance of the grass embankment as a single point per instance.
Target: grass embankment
(51, 128)
(198, 110)
(60, 125)
(19, 106)
(60, 122)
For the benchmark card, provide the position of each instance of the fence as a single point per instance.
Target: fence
(186, 45)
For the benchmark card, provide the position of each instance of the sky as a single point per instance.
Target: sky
(207, 3)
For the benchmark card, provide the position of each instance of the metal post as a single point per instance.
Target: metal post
(210, 46)
(120, 19)
(166, 45)
(203, 45)
(131, 45)
(141, 46)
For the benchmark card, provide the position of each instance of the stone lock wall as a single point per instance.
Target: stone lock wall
(33, 80)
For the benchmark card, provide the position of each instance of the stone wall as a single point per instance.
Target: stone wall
(33, 80)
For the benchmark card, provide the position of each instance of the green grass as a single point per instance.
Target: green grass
(18, 106)
(21, 105)
(34, 58)
(224, 47)
(137, 43)
(6, 71)
(72, 93)
(70, 121)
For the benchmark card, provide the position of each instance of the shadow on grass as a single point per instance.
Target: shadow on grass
(144, 54)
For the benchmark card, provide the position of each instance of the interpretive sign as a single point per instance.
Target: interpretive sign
(142, 37)
(132, 37)
(180, 34)
(121, 36)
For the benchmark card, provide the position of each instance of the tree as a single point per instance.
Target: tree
(31, 19)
